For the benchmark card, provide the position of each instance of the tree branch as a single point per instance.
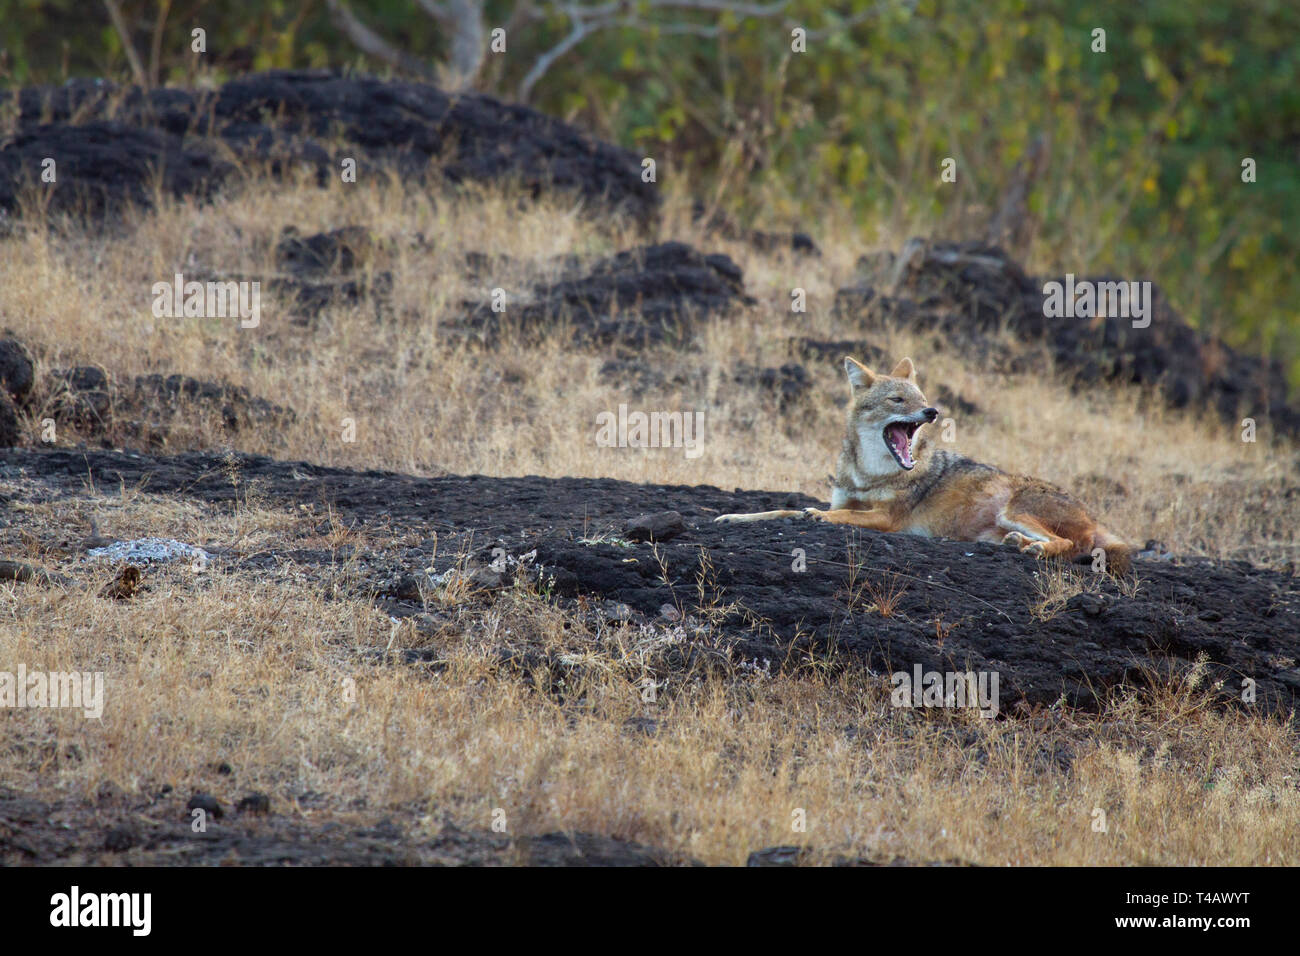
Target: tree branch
(468, 40)
(371, 43)
(586, 20)
(119, 24)
(433, 9)
(543, 62)
(467, 48)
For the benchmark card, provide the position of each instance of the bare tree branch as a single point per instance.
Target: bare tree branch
(433, 9)
(522, 12)
(467, 48)
(462, 19)
(155, 48)
(468, 39)
(371, 43)
(119, 24)
(543, 63)
(586, 19)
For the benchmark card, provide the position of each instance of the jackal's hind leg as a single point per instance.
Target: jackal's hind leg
(1051, 549)
(1027, 533)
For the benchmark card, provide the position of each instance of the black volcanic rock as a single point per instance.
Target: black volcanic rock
(110, 143)
(638, 297)
(1243, 619)
(967, 291)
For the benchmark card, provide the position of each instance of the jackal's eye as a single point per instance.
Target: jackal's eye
(895, 398)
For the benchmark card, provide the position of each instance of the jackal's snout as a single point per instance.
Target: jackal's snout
(900, 431)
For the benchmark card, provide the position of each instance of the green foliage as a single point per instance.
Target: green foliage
(1147, 138)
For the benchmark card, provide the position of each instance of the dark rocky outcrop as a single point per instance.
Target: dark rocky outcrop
(968, 291)
(636, 298)
(111, 143)
(958, 606)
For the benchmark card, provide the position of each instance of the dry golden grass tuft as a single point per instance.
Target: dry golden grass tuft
(252, 669)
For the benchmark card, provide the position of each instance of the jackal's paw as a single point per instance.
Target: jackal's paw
(814, 514)
(1037, 548)
(1015, 539)
(726, 519)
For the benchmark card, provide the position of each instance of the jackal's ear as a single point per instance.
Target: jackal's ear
(904, 369)
(859, 375)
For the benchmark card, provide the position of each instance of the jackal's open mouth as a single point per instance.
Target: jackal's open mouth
(898, 439)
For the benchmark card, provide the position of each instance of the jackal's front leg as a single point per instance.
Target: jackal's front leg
(874, 520)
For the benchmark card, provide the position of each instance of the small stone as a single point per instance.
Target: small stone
(660, 526)
(207, 803)
(615, 611)
(11, 429)
(121, 838)
(407, 588)
(488, 578)
(255, 803)
(1091, 604)
(777, 856)
(16, 376)
(647, 726)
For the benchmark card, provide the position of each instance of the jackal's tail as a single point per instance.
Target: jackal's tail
(758, 516)
(1119, 553)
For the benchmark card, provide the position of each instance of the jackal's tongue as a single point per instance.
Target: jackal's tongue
(898, 439)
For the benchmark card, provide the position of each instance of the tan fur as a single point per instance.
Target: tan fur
(943, 494)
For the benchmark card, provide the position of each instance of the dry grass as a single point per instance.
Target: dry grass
(270, 677)
(210, 667)
(429, 405)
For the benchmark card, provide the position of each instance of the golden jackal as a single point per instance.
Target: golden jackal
(888, 479)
